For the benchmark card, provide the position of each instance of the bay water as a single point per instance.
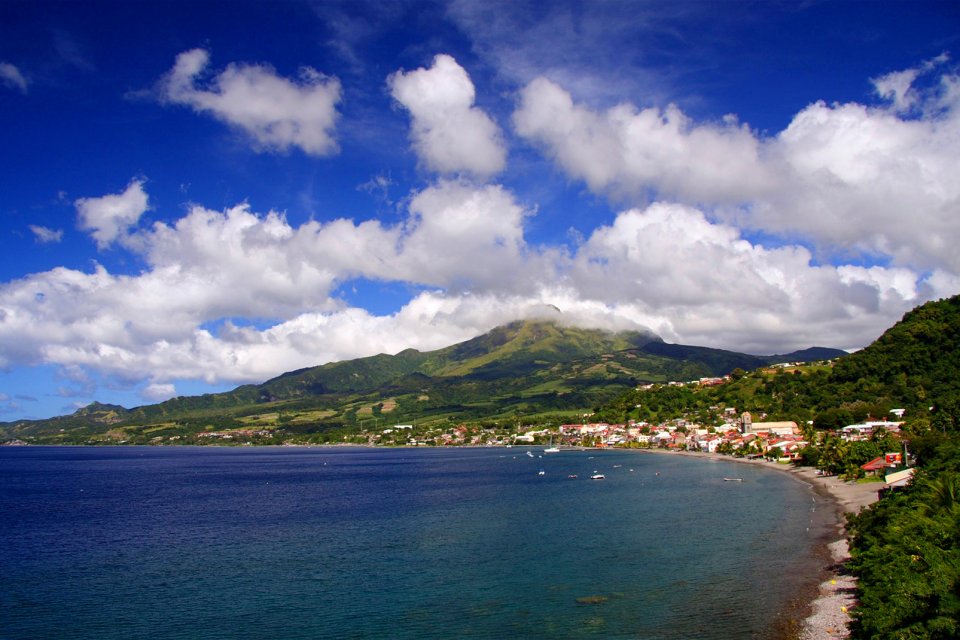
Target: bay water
(215, 542)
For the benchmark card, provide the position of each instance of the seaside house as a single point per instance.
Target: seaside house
(735, 442)
(787, 428)
(789, 447)
(661, 439)
(679, 440)
(709, 443)
(876, 467)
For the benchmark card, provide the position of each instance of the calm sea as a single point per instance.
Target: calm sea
(134, 542)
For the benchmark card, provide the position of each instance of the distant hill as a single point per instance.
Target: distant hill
(522, 368)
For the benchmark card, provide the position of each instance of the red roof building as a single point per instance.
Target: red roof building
(875, 466)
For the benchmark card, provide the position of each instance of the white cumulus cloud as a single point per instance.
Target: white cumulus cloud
(898, 87)
(172, 320)
(699, 282)
(276, 112)
(666, 267)
(450, 134)
(470, 239)
(626, 151)
(866, 178)
(108, 217)
(158, 391)
(853, 180)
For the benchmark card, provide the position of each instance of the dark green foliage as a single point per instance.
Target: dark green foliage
(833, 418)
(912, 363)
(913, 366)
(946, 414)
(906, 552)
(713, 360)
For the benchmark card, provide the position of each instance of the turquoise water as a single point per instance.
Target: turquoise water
(371, 543)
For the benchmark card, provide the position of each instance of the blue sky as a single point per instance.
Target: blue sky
(197, 195)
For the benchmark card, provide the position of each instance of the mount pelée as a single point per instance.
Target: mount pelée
(522, 368)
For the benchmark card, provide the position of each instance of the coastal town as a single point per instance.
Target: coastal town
(722, 430)
(536, 319)
(738, 436)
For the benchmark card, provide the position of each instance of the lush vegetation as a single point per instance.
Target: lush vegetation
(912, 366)
(906, 552)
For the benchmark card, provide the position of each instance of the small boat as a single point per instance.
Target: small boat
(597, 476)
(541, 472)
(552, 450)
(530, 454)
(733, 479)
(572, 475)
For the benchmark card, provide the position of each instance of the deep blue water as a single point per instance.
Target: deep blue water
(139, 542)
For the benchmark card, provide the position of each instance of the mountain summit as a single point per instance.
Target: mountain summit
(522, 368)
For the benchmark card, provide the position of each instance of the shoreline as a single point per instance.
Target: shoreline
(821, 611)
(827, 616)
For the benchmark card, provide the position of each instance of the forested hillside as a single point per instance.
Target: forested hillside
(906, 553)
(913, 363)
(913, 366)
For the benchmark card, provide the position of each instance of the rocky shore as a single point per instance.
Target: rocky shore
(830, 610)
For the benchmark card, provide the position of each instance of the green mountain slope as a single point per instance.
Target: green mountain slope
(522, 368)
(914, 365)
(914, 361)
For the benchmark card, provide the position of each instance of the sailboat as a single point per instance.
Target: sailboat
(551, 448)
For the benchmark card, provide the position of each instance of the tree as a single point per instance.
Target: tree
(833, 454)
(906, 551)
(833, 418)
